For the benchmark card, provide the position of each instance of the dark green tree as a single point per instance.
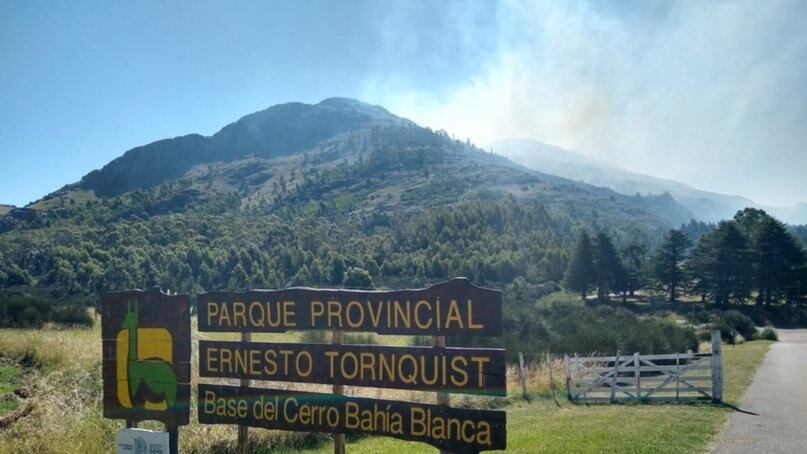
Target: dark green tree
(609, 273)
(580, 272)
(358, 278)
(722, 264)
(669, 263)
(337, 272)
(238, 278)
(777, 259)
(634, 258)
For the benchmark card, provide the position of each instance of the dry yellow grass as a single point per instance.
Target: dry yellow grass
(64, 374)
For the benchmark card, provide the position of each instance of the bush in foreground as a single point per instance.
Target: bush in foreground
(25, 311)
(731, 323)
(769, 334)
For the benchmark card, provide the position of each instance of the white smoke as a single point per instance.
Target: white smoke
(708, 93)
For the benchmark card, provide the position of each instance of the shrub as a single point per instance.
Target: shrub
(72, 315)
(556, 299)
(357, 278)
(608, 330)
(731, 323)
(769, 334)
(579, 329)
(25, 311)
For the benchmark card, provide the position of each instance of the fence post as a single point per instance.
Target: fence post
(443, 398)
(522, 376)
(717, 367)
(338, 439)
(677, 376)
(242, 446)
(568, 376)
(638, 369)
(173, 439)
(551, 374)
(613, 379)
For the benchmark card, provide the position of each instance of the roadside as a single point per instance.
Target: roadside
(67, 410)
(774, 407)
(546, 425)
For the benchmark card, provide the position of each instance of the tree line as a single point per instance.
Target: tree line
(751, 255)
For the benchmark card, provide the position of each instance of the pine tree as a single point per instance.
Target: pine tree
(337, 270)
(669, 262)
(777, 259)
(609, 273)
(238, 278)
(580, 272)
(722, 263)
(634, 259)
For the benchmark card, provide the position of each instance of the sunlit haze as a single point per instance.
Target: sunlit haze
(707, 93)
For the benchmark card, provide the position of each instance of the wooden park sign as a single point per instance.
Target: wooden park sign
(450, 308)
(451, 429)
(146, 346)
(454, 307)
(458, 370)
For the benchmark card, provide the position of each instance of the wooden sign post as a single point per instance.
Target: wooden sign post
(146, 358)
(338, 389)
(454, 307)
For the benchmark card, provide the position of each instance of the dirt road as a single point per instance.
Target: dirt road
(778, 397)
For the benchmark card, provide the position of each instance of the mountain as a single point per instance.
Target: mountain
(5, 208)
(278, 131)
(252, 155)
(297, 194)
(705, 206)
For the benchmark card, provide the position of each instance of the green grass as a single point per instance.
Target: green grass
(547, 426)
(10, 379)
(66, 384)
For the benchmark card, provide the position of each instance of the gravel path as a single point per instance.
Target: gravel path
(778, 396)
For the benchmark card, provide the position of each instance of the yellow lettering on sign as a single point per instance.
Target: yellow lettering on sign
(480, 364)
(351, 321)
(256, 314)
(402, 316)
(239, 312)
(211, 360)
(453, 314)
(212, 311)
(317, 310)
(351, 415)
(418, 321)
(288, 310)
(471, 323)
(334, 313)
(459, 370)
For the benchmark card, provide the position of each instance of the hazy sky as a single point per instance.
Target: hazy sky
(713, 94)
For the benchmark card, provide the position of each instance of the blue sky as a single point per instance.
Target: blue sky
(711, 94)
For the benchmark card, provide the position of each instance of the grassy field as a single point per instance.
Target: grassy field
(546, 425)
(63, 370)
(10, 379)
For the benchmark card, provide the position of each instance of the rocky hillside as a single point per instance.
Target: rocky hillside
(297, 194)
(701, 205)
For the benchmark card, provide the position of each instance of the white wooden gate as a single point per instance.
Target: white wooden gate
(678, 376)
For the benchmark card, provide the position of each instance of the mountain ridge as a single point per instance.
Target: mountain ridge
(276, 131)
(267, 155)
(705, 205)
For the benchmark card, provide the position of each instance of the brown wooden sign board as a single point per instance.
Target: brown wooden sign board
(452, 429)
(146, 356)
(454, 307)
(457, 370)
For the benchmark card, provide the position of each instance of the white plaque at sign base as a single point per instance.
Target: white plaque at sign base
(141, 441)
